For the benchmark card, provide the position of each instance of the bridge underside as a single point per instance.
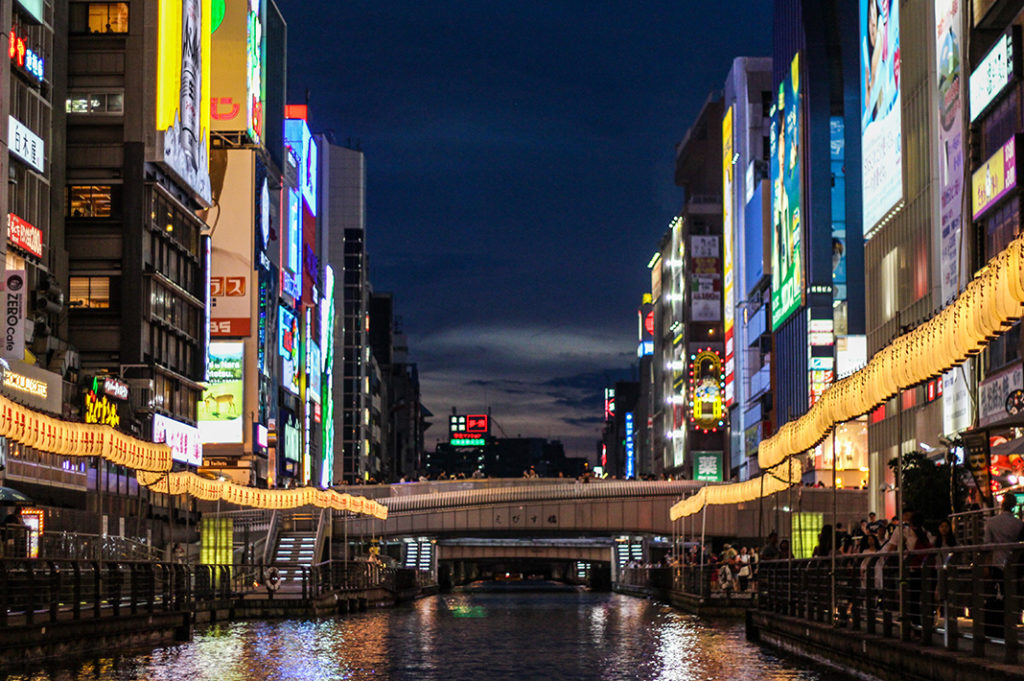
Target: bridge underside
(511, 549)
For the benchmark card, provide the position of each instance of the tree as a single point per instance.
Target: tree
(929, 487)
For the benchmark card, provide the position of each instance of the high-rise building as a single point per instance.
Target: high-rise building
(344, 220)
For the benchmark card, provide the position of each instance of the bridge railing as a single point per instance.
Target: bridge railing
(544, 492)
(967, 598)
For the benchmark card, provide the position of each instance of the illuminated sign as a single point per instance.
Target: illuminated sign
(25, 144)
(220, 407)
(291, 273)
(881, 116)
(239, 58)
(182, 438)
(24, 235)
(645, 348)
(34, 8)
(995, 71)
(609, 403)
(292, 439)
(994, 179)
(261, 437)
(787, 223)
(255, 50)
(98, 409)
(707, 466)
(705, 273)
(34, 519)
(630, 446)
(115, 387)
(707, 390)
(728, 226)
(298, 137)
(468, 441)
(288, 348)
(819, 332)
(182, 92)
(948, 99)
(24, 57)
(15, 285)
(25, 384)
(314, 370)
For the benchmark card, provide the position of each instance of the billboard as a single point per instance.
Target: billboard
(15, 289)
(298, 137)
(949, 61)
(787, 252)
(881, 118)
(995, 71)
(221, 406)
(182, 92)
(994, 179)
(707, 390)
(707, 466)
(291, 271)
(728, 225)
(233, 229)
(239, 77)
(182, 438)
(706, 279)
(288, 348)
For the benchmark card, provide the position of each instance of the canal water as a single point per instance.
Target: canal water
(464, 636)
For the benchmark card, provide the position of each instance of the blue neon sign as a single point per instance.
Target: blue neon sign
(630, 453)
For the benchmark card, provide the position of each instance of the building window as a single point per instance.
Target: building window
(89, 292)
(91, 201)
(99, 17)
(95, 102)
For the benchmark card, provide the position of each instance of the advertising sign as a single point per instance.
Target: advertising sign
(183, 92)
(881, 118)
(706, 279)
(837, 160)
(327, 342)
(949, 66)
(314, 370)
(24, 235)
(182, 438)
(291, 272)
(15, 285)
(232, 271)
(979, 463)
(34, 8)
(994, 392)
(728, 225)
(221, 406)
(630, 446)
(288, 348)
(994, 72)
(787, 252)
(100, 405)
(25, 144)
(707, 466)
(239, 58)
(292, 438)
(298, 137)
(994, 179)
(707, 390)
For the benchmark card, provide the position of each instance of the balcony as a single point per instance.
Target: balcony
(761, 381)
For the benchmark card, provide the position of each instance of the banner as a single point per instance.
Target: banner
(14, 314)
(949, 61)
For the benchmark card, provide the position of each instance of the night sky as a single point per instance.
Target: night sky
(519, 175)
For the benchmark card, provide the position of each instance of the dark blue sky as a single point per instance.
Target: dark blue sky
(519, 175)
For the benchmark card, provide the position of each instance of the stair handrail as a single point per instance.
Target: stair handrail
(321, 534)
(268, 548)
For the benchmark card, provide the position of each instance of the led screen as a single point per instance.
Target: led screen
(221, 406)
(881, 119)
(787, 251)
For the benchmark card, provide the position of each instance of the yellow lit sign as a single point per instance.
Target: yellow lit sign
(25, 384)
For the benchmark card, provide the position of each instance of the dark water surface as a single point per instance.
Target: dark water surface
(463, 636)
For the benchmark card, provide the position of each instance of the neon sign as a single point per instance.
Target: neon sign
(254, 70)
(707, 390)
(21, 55)
(24, 235)
(630, 445)
(298, 137)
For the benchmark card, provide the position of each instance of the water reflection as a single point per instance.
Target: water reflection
(495, 637)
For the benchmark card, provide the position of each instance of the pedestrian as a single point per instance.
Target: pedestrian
(770, 550)
(744, 572)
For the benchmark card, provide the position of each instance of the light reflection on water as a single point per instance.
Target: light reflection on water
(495, 637)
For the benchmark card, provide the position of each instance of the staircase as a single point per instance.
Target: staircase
(295, 547)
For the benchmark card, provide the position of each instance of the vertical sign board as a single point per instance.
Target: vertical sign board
(705, 273)
(222, 404)
(728, 237)
(233, 250)
(881, 117)
(949, 61)
(25, 144)
(183, 93)
(288, 349)
(707, 466)
(787, 222)
(14, 314)
(630, 446)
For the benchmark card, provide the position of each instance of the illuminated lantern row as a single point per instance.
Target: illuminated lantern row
(707, 390)
(64, 438)
(986, 309)
(187, 482)
(775, 480)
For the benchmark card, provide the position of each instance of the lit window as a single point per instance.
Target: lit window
(89, 201)
(95, 102)
(108, 17)
(89, 292)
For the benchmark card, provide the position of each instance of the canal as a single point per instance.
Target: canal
(463, 636)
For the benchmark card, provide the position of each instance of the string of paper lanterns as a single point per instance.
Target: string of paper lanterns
(776, 480)
(186, 482)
